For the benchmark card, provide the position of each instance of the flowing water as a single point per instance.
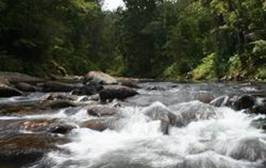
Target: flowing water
(208, 136)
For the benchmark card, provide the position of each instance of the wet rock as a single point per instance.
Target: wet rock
(221, 101)
(116, 92)
(212, 160)
(259, 109)
(4, 81)
(100, 77)
(7, 91)
(97, 124)
(100, 110)
(36, 126)
(251, 149)
(244, 102)
(129, 82)
(100, 124)
(192, 111)
(204, 97)
(90, 88)
(54, 86)
(46, 106)
(158, 111)
(16, 110)
(14, 77)
(260, 106)
(27, 87)
(22, 149)
(60, 104)
(60, 96)
(67, 79)
(61, 128)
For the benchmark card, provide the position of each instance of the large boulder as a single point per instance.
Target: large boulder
(7, 91)
(116, 92)
(100, 77)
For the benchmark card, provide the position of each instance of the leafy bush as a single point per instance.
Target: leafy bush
(206, 70)
(234, 67)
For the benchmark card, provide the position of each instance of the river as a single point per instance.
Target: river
(203, 136)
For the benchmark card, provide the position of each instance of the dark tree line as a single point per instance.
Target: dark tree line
(194, 39)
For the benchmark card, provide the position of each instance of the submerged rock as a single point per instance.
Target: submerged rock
(251, 149)
(22, 149)
(59, 104)
(212, 160)
(8, 127)
(100, 77)
(116, 92)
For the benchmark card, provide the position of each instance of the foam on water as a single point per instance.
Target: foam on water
(137, 142)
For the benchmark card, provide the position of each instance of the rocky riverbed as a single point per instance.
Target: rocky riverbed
(100, 121)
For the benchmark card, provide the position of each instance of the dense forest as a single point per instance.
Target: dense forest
(166, 39)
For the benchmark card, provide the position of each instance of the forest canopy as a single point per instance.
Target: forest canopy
(183, 39)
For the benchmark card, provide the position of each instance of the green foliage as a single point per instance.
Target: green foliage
(261, 73)
(171, 72)
(205, 70)
(34, 32)
(199, 39)
(234, 67)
